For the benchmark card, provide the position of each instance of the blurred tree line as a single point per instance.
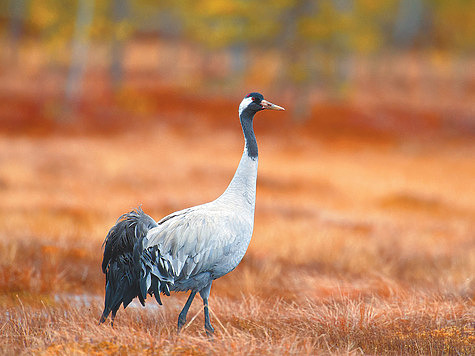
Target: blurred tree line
(313, 40)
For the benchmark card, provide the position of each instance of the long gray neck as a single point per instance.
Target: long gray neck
(246, 118)
(242, 189)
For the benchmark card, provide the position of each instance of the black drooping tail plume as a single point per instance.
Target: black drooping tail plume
(122, 274)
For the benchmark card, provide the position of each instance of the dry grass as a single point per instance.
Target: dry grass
(358, 247)
(250, 325)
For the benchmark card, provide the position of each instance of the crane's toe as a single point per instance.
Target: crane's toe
(209, 329)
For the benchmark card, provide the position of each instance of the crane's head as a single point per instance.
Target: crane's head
(255, 102)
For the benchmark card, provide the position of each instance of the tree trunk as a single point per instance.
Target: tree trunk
(120, 12)
(409, 21)
(80, 46)
(16, 10)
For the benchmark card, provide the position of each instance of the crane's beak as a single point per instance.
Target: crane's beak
(269, 106)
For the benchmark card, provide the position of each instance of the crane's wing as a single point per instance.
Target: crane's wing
(194, 240)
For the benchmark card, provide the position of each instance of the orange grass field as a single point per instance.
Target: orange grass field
(361, 244)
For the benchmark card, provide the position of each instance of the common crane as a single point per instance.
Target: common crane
(188, 249)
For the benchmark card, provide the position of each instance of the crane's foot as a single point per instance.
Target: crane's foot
(181, 322)
(209, 329)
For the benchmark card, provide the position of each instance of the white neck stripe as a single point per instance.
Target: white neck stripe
(244, 104)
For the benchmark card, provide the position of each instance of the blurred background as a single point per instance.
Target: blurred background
(391, 67)
(365, 197)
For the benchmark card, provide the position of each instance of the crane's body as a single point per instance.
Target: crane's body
(188, 249)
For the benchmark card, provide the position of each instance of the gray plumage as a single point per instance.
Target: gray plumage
(188, 249)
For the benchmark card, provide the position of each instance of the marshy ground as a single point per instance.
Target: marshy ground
(363, 243)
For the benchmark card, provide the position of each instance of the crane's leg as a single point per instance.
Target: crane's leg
(204, 293)
(182, 316)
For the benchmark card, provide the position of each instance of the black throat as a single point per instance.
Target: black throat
(246, 118)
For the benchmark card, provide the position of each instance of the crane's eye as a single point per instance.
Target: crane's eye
(254, 98)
